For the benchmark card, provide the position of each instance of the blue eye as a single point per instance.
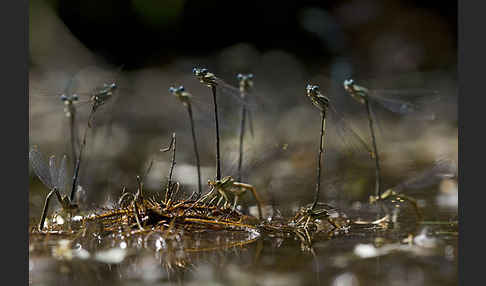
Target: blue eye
(250, 76)
(195, 70)
(181, 88)
(171, 89)
(239, 76)
(204, 70)
(75, 97)
(63, 97)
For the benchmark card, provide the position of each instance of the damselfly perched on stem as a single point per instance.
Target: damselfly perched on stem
(210, 80)
(217, 85)
(185, 98)
(98, 99)
(245, 82)
(322, 103)
(366, 96)
(338, 123)
(54, 178)
(90, 85)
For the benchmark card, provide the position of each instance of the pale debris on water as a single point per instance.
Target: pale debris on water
(448, 194)
(423, 240)
(345, 279)
(111, 256)
(62, 250)
(366, 250)
(420, 247)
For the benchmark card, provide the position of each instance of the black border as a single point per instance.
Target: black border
(471, 63)
(14, 124)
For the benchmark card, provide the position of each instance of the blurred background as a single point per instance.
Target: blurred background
(146, 46)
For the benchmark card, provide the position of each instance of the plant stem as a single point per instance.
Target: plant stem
(321, 149)
(199, 192)
(375, 149)
(81, 149)
(218, 160)
(168, 193)
(73, 134)
(242, 135)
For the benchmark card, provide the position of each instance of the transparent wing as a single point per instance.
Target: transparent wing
(405, 101)
(53, 170)
(251, 100)
(228, 113)
(40, 167)
(353, 142)
(442, 169)
(62, 178)
(254, 158)
(250, 122)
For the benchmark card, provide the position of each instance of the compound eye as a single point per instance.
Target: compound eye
(63, 97)
(239, 76)
(315, 88)
(181, 88)
(195, 71)
(204, 70)
(250, 76)
(171, 89)
(75, 97)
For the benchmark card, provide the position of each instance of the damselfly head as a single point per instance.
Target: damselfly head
(348, 84)
(111, 85)
(199, 71)
(317, 98)
(64, 97)
(180, 93)
(245, 81)
(176, 90)
(312, 89)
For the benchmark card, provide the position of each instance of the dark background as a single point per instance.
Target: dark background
(150, 32)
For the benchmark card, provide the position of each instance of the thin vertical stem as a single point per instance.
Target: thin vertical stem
(173, 144)
(375, 149)
(242, 135)
(218, 160)
(81, 149)
(199, 189)
(73, 134)
(321, 149)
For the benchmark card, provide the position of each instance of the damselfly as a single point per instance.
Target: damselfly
(338, 123)
(185, 98)
(366, 96)
(55, 179)
(98, 85)
(442, 169)
(245, 82)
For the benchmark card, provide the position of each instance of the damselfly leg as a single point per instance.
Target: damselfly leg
(55, 179)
